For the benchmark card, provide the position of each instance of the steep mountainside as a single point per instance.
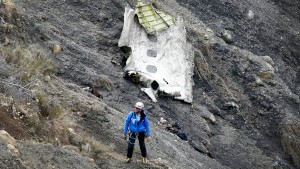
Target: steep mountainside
(246, 107)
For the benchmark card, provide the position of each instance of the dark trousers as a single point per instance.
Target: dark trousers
(132, 138)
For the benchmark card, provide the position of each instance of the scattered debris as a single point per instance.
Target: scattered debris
(2, 20)
(256, 83)
(6, 42)
(250, 15)
(231, 106)
(95, 92)
(114, 62)
(278, 164)
(173, 127)
(56, 48)
(227, 36)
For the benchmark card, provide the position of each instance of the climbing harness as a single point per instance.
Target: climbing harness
(132, 136)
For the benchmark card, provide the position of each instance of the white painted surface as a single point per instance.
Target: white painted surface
(172, 67)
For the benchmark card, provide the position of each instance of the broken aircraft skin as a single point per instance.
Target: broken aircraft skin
(165, 60)
(152, 19)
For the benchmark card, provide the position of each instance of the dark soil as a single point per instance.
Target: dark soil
(15, 127)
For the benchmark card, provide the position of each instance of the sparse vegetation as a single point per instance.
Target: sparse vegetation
(28, 65)
(31, 164)
(9, 6)
(104, 81)
(207, 48)
(7, 27)
(14, 88)
(201, 66)
(29, 62)
(50, 108)
(96, 146)
(9, 16)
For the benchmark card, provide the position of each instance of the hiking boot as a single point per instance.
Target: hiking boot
(144, 160)
(128, 160)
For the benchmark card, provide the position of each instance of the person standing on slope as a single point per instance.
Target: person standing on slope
(137, 126)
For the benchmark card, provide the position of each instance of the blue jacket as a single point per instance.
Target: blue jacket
(135, 126)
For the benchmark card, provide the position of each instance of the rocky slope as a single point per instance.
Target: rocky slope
(245, 112)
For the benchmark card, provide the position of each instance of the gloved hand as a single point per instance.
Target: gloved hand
(124, 136)
(148, 139)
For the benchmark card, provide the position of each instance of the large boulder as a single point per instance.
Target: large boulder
(9, 155)
(9, 139)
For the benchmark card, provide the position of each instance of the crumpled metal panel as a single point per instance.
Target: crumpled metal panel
(152, 19)
(165, 63)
